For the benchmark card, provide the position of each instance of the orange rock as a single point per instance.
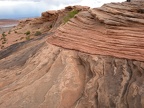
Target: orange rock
(37, 74)
(114, 29)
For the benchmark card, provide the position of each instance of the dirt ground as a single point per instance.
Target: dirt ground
(8, 36)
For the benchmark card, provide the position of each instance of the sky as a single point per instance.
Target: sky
(17, 9)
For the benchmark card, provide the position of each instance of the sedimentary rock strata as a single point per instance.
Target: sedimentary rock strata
(114, 29)
(48, 20)
(46, 76)
(87, 62)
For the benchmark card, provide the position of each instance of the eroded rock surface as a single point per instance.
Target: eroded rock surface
(33, 27)
(46, 76)
(114, 29)
(87, 63)
(48, 20)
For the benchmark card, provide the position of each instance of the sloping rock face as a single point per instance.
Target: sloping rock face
(114, 29)
(37, 74)
(33, 27)
(46, 76)
(48, 20)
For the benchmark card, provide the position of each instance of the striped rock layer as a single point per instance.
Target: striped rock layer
(115, 29)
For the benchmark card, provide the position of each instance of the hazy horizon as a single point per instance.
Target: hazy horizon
(19, 9)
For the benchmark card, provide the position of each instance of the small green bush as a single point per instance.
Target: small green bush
(27, 37)
(27, 33)
(3, 34)
(70, 15)
(3, 38)
(37, 33)
(3, 42)
(9, 32)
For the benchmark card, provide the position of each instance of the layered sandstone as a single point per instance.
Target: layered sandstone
(48, 20)
(40, 75)
(114, 29)
(90, 64)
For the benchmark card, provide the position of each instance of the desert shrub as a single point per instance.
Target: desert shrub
(3, 42)
(70, 15)
(27, 37)
(3, 34)
(3, 38)
(9, 32)
(27, 33)
(37, 33)
(15, 31)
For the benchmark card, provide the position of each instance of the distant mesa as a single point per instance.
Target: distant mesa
(8, 22)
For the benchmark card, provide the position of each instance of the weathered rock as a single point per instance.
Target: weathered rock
(92, 65)
(50, 15)
(77, 7)
(114, 29)
(47, 76)
(49, 20)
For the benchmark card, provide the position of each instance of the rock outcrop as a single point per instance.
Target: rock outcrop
(46, 76)
(48, 20)
(31, 28)
(114, 29)
(93, 61)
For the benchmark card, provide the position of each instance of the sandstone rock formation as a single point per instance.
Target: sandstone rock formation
(93, 61)
(46, 76)
(48, 20)
(114, 29)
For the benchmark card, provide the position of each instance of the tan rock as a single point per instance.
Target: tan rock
(49, 20)
(46, 76)
(93, 61)
(50, 15)
(77, 7)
